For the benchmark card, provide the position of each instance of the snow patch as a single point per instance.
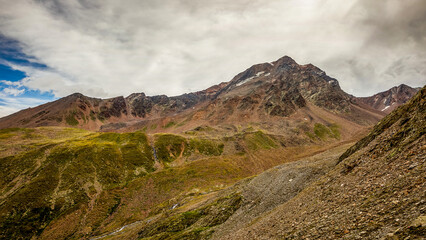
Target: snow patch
(385, 108)
(271, 64)
(251, 78)
(244, 81)
(267, 74)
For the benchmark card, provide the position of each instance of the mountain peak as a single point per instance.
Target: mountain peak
(388, 100)
(285, 63)
(76, 95)
(285, 60)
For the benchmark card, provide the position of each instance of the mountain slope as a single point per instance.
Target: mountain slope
(389, 100)
(376, 190)
(77, 110)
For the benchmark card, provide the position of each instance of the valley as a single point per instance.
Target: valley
(260, 156)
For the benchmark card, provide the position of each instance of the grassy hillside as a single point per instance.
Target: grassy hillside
(71, 183)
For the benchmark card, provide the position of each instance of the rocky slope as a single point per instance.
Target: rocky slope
(376, 190)
(389, 100)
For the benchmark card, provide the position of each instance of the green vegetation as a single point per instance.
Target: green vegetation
(323, 132)
(200, 129)
(92, 116)
(181, 124)
(206, 147)
(58, 174)
(193, 224)
(53, 177)
(170, 124)
(70, 119)
(259, 140)
(169, 147)
(335, 130)
(10, 132)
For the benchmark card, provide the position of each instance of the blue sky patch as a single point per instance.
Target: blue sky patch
(14, 95)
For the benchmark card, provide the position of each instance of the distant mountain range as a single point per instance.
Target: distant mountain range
(262, 93)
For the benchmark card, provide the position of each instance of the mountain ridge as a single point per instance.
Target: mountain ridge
(277, 89)
(390, 99)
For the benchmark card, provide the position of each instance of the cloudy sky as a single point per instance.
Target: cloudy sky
(106, 48)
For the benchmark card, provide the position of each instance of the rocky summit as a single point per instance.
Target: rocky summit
(278, 152)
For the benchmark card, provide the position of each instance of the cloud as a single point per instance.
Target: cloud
(13, 91)
(11, 104)
(5, 110)
(106, 48)
(10, 83)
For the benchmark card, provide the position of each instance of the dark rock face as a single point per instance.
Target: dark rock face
(140, 104)
(389, 100)
(248, 102)
(284, 100)
(113, 108)
(282, 87)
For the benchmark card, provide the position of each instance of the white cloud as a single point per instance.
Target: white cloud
(11, 104)
(10, 83)
(13, 91)
(6, 110)
(108, 48)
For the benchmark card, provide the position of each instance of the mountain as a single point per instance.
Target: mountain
(389, 100)
(376, 190)
(92, 113)
(267, 91)
(373, 190)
